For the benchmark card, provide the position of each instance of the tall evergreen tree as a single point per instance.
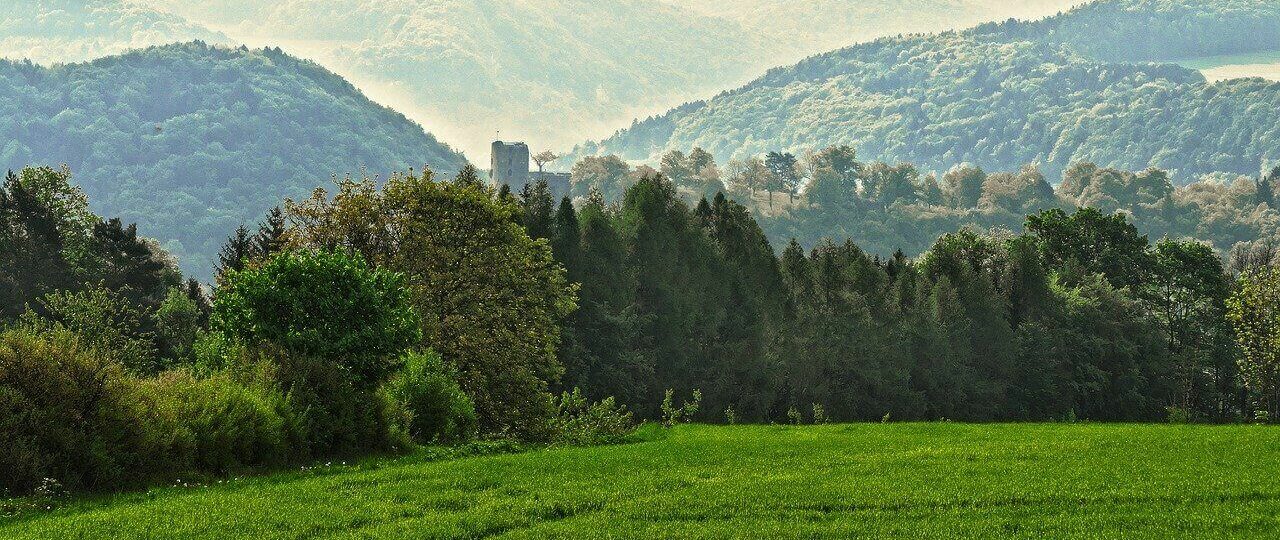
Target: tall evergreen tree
(270, 237)
(236, 252)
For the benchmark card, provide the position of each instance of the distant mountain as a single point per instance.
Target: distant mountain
(192, 140)
(48, 31)
(555, 72)
(547, 71)
(1001, 96)
(1154, 30)
(799, 28)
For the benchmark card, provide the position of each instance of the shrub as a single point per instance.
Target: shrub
(819, 414)
(216, 425)
(672, 415)
(177, 323)
(794, 416)
(580, 423)
(103, 319)
(730, 415)
(428, 403)
(334, 414)
(329, 305)
(66, 414)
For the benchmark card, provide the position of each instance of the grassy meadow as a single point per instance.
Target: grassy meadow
(935, 480)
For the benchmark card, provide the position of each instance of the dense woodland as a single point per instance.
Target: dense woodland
(190, 140)
(1003, 96)
(831, 193)
(484, 313)
(1171, 29)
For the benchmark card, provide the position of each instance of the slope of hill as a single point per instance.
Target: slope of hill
(939, 480)
(1155, 30)
(986, 97)
(555, 72)
(547, 71)
(799, 28)
(48, 31)
(191, 140)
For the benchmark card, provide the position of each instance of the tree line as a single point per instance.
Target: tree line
(1080, 316)
(379, 316)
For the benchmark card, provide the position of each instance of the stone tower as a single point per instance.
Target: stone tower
(510, 165)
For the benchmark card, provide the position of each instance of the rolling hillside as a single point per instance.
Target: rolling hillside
(999, 96)
(64, 31)
(191, 140)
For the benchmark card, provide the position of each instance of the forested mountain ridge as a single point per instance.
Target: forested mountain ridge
(988, 97)
(803, 27)
(539, 70)
(192, 140)
(64, 31)
(1154, 30)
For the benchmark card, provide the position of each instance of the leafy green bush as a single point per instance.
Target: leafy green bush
(672, 415)
(334, 415)
(428, 402)
(329, 305)
(67, 414)
(103, 319)
(217, 425)
(579, 422)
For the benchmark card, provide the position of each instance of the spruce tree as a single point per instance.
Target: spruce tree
(270, 237)
(236, 252)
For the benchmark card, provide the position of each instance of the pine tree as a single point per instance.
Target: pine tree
(270, 237)
(469, 176)
(236, 252)
(565, 242)
(539, 209)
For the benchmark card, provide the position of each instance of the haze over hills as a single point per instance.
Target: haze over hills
(1004, 95)
(191, 140)
(798, 28)
(51, 31)
(555, 72)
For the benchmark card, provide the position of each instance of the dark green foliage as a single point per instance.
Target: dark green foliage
(191, 140)
(66, 413)
(431, 405)
(335, 413)
(178, 321)
(235, 253)
(104, 320)
(1098, 243)
(327, 305)
(539, 209)
(1079, 317)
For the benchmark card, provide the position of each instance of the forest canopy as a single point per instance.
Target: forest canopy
(1001, 96)
(190, 140)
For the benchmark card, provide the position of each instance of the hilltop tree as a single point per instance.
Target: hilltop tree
(608, 175)
(542, 158)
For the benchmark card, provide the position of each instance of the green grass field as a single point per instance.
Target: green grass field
(900, 480)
